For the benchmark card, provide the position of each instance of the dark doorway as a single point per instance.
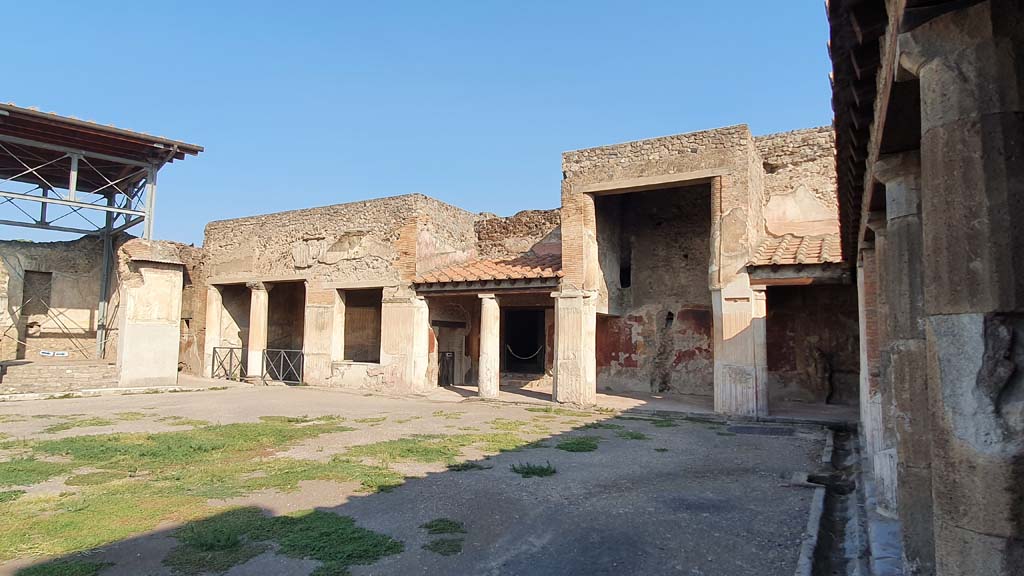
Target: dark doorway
(524, 340)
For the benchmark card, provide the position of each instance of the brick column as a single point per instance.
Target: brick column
(490, 346)
(259, 307)
(906, 372)
(968, 63)
(884, 458)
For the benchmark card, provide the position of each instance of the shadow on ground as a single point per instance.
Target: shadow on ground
(618, 494)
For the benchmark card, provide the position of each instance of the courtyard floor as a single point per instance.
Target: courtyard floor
(303, 481)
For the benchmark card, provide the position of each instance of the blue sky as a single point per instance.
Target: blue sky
(310, 103)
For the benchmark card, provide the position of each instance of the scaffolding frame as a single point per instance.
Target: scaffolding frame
(67, 175)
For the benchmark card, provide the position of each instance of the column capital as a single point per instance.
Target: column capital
(890, 168)
(487, 296)
(261, 286)
(876, 223)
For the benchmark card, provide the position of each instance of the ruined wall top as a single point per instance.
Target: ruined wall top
(800, 181)
(534, 231)
(707, 149)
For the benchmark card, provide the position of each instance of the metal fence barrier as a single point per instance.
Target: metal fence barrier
(282, 366)
(227, 363)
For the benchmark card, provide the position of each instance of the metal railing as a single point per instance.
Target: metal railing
(282, 366)
(227, 363)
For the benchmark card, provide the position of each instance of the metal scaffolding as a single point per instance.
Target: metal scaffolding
(68, 175)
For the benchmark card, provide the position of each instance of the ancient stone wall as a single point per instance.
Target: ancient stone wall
(354, 243)
(813, 349)
(799, 181)
(66, 321)
(536, 231)
(662, 339)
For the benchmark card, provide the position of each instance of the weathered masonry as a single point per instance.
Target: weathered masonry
(104, 310)
(668, 266)
(930, 160)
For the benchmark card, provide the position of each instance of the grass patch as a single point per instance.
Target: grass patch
(560, 411)
(64, 568)
(376, 420)
(130, 416)
(603, 426)
(8, 418)
(447, 415)
(725, 433)
(217, 388)
(182, 421)
(83, 423)
(467, 466)
(579, 444)
(10, 495)
(434, 447)
(508, 425)
(528, 470)
(665, 423)
(661, 449)
(444, 526)
(29, 471)
(632, 435)
(94, 478)
(216, 544)
(444, 546)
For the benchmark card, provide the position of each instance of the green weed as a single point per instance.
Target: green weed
(527, 470)
(632, 435)
(29, 471)
(444, 546)
(83, 423)
(579, 444)
(444, 526)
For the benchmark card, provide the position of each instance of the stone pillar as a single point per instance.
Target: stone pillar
(150, 329)
(737, 388)
(870, 396)
(318, 333)
(884, 458)
(259, 308)
(404, 341)
(211, 340)
(759, 324)
(575, 368)
(906, 371)
(968, 63)
(490, 346)
(338, 327)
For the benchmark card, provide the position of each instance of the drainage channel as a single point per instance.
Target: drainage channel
(841, 548)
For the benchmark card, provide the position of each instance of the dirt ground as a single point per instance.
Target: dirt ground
(656, 496)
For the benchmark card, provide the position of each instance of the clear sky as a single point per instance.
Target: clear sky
(305, 104)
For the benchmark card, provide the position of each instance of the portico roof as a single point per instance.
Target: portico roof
(527, 270)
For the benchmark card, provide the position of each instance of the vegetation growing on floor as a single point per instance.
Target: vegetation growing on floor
(83, 423)
(632, 435)
(432, 448)
(560, 411)
(182, 421)
(444, 526)
(467, 466)
(130, 416)
(447, 415)
(10, 495)
(216, 544)
(27, 471)
(376, 420)
(603, 426)
(579, 444)
(64, 568)
(528, 470)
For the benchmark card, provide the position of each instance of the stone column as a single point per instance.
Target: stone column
(968, 63)
(211, 340)
(259, 308)
(575, 366)
(884, 459)
(318, 333)
(906, 371)
(737, 388)
(759, 324)
(490, 347)
(870, 396)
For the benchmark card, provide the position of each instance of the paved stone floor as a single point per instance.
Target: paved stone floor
(695, 498)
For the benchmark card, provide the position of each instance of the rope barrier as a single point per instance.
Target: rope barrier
(530, 357)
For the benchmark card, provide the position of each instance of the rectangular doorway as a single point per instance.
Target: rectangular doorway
(523, 336)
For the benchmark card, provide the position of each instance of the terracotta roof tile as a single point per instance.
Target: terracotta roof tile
(790, 250)
(527, 266)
